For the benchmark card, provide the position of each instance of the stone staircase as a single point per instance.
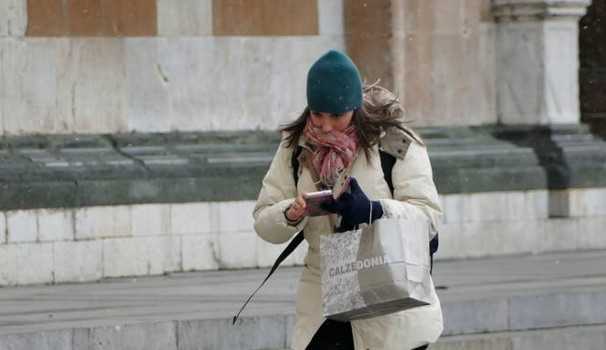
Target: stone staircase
(551, 301)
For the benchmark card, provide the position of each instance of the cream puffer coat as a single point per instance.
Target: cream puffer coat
(414, 195)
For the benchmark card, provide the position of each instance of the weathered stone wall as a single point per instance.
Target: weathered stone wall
(87, 244)
(438, 55)
(105, 67)
(158, 65)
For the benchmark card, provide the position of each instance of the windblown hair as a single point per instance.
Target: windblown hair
(380, 111)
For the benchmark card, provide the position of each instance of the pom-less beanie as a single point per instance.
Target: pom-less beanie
(334, 84)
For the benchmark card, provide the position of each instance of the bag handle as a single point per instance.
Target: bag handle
(294, 243)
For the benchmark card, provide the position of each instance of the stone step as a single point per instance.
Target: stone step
(500, 303)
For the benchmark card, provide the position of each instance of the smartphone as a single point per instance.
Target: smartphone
(314, 201)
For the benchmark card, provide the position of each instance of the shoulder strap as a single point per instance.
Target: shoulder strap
(294, 243)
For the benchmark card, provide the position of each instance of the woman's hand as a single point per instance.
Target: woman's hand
(296, 211)
(354, 207)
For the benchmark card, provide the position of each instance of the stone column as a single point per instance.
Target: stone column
(537, 61)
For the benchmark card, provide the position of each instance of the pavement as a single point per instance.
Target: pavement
(550, 301)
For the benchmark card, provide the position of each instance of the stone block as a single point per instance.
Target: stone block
(537, 80)
(557, 310)
(193, 218)
(185, 18)
(536, 205)
(55, 225)
(14, 17)
(473, 343)
(589, 202)
(475, 316)
(476, 239)
(30, 93)
(237, 250)
(34, 263)
(251, 333)
(152, 336)
(50, 340)
(3, 231)
(453, 206)
(102, 222)
(148, 85)
(236, 216)
(150, 219)
(200, 252)
(188, 61)
(8, 265)
(558, 234)
(22, 226)
(78, 261)
(330, 17)
(590, 233)
(139, 256)
(577, 202)
(125, 257)
(561, 339)
(91, 83)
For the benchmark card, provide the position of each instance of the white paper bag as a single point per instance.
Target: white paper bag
(379, 269)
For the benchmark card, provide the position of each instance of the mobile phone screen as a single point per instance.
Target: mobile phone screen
(314, 201)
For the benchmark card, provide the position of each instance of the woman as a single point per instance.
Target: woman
(340, 133)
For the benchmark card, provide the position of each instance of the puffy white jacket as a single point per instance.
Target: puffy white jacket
(414, 195)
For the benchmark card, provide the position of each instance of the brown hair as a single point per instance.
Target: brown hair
(381, 110)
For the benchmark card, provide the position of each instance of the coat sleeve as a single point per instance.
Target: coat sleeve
(278, 191)
(415, 193)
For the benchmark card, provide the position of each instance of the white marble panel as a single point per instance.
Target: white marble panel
(236, 216)
(150, 219)
(78, 261)
(578, 202)
(237, 250)
(140, 256)
(561, 86)
(55, 225)
(234, 83)
(92, 85)
(558, 234)
(22, 226)
(330, 17)
(184, 17)
(163, 254)
(13, 17)
(591, 232)
(200, 252)
(520, 73)
(101, 222)
(148, 86)
(34, 263)
(3, 231)
(8, 265)
(29, 74)
(125, 257)
(193, 218)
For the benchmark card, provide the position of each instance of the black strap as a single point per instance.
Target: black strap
(387, 163)
(294, 243)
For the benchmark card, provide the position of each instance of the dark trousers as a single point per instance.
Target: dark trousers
(334, 335)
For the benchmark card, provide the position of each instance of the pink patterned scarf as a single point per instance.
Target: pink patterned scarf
(334, 151)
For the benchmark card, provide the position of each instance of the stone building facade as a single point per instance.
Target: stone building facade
(135, 134)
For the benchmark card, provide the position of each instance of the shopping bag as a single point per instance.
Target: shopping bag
(376, 270)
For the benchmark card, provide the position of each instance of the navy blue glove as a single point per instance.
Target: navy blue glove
(354, 207)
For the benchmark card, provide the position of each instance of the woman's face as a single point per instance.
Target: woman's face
(328, 122)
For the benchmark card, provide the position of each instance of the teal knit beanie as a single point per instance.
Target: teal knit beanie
(334, 84)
